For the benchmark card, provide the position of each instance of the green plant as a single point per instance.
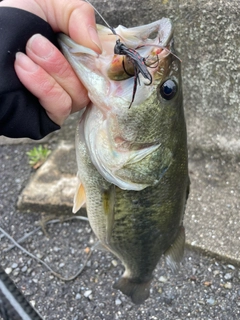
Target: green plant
(37, 156)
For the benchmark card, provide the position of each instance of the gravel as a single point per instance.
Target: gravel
(204, 287)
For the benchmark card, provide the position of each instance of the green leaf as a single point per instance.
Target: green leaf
(37, 156)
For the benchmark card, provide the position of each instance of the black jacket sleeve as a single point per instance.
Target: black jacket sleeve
(21, 114)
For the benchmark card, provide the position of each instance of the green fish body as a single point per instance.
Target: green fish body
(133, 162)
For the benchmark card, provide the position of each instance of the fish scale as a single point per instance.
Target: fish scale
(133, 162)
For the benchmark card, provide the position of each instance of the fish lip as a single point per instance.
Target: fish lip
(67, 43)
(144, 33)
(163, 27)
(167, 28)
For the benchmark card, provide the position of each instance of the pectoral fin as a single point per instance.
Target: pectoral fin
(138, 155)
(79, 198)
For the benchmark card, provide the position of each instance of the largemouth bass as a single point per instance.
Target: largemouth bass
(132, 162)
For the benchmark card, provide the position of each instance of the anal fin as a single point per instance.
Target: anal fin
(99, 246)
(175, 253)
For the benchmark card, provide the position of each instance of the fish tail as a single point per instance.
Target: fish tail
(137, 291)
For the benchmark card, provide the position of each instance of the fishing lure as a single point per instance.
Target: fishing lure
(139, 62)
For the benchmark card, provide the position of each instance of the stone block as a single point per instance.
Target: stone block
(51, 189)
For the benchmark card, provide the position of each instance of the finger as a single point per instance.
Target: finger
(51, 95)
(47, 56)
(75, 18)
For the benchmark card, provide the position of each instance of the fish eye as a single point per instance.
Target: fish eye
(168, 89)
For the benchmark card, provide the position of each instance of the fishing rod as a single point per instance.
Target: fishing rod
(13, 304)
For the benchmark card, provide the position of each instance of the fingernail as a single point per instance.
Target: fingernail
(25, 63)
(40, 46)
(94, 37)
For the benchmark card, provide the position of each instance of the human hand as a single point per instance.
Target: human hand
(44, 71)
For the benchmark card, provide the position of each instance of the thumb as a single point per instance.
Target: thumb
(77, 19)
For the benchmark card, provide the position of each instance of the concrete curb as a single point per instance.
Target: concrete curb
(51, 188)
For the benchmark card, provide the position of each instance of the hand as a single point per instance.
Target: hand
(44, 71)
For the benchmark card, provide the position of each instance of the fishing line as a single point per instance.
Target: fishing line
(42, 262)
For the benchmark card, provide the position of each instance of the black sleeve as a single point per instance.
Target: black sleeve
(21, 115)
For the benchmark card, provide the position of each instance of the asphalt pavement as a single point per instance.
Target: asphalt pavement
(206, 287)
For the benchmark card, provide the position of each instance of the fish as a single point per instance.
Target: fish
(133, 162)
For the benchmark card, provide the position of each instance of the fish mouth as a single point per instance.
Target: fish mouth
(152, 42)
(144, 45)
